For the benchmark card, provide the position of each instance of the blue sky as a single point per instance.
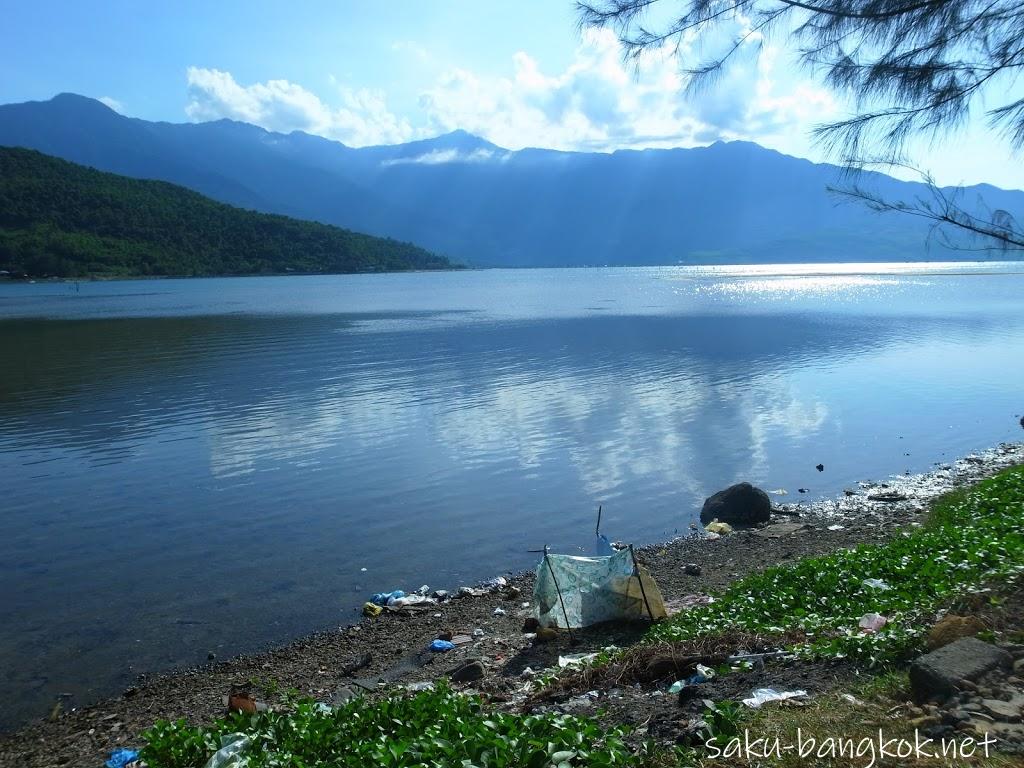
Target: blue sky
(519, 74)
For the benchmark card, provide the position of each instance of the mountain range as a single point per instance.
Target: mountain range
(479, 204)
(61, 219)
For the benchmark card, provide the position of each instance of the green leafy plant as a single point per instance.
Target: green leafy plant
(723, 719)
(432, 728)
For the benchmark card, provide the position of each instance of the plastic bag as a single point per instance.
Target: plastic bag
(382, 598)
(121, 757)
(872, 622)
(764, 695)
(230, 754)
(442, 646)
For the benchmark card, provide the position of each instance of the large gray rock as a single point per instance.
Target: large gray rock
(937, 675)
(740, 504)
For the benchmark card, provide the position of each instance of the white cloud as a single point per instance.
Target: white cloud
(113, 103)
(440, 156)
(596, 103)
(600, 103)
(279, 105)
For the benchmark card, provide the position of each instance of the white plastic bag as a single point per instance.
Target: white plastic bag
(230, 754)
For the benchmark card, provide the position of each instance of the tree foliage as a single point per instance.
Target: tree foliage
(910, 67)
(65, 220)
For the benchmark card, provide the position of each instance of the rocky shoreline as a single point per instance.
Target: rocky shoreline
(393, 649)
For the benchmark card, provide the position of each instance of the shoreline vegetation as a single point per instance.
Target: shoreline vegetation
(63, 220)
(373, 693)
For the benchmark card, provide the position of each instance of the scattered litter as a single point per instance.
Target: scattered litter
(478, 632)
(427, 686)
(820, 467)
(702, 671)
(779, 492)
(469, 592)
(119, 758)
(802, 490)
(837, 527)
(524, 605)
(493, 585)
(440, 594)
(462, 639)
(575, 659)
(404, 601)
(849, 698)
(876, 584)
(371, 610)
(241, 701)
(383, 598)
(716, 527)
(424, 590)
(765, 695)
(442, 646)
(437, 615)
(528, 672)
(230, 755)
(702, 675)
(499, 612)
(363, 570)
(872, 622)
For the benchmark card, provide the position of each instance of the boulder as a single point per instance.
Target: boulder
(741, 504)
(939, 674)
(468, 671)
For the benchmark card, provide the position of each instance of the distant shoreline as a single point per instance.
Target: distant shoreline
(805, 272)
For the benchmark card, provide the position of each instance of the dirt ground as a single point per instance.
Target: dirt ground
(394, 647)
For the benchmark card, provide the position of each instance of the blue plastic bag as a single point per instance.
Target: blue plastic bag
(119, 758)
(381, 598)
(441, 646)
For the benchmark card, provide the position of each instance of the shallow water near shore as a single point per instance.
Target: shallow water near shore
(190, 466)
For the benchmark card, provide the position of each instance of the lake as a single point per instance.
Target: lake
(190, 466)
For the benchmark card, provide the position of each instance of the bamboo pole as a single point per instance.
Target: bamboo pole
(636, 572)
(554, 579)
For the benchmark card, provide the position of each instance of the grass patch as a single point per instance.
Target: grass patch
(431, 728)
(973, 536)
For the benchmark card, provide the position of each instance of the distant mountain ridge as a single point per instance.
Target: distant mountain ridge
(464, 197)
(61, 219)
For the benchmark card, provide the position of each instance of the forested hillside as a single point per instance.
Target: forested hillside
(65, 220)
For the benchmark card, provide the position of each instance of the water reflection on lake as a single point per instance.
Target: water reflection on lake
(201, 465)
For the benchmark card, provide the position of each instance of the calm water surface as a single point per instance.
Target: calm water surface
(208, 465)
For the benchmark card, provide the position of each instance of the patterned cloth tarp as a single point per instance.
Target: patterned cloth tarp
(594, 589)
